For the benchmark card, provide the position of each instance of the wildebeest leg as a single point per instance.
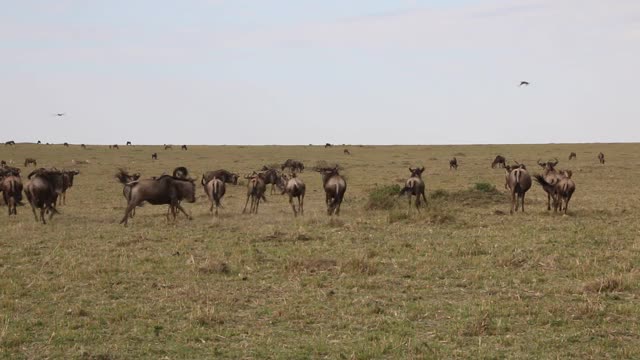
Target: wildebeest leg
(42, 209)
(566, 204)
(33, 208)
(130, 207)
(181, 209)
(425, 198)
(522, 202)
(548, 201)
(246, 202)
(513, 202)
(292, 205)
(338, 203)
(301, 204)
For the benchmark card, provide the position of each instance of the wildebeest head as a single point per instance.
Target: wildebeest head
(417, 172)
(549, 165)
(180, 172)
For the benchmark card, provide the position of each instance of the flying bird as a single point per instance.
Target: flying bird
(524, 83)
(59, 114)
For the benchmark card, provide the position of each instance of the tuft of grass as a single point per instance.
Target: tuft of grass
(383, 197)
(485, 187)
(612, 283)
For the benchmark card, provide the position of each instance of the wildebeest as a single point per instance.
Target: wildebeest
(293, 165)
(327, 145)
(166, 147)
(183, 147)
(115, 147)
(255, 192)
(561, 191)
(154, 156)
(346, 152)
(269, 176)
(39, 142)
(125, 178)
(10, 142)
(572, 156)
(66, 144)
(67, 182)
(28, 161)
(551, 177)
(83, 146)
(166, 189)
(453, 164)
(225, 175)
(215, 190)
(414, 186)
(128, 143)
(294, 187)
(601, 158)
(519, 182)
(3, 163)
(181, 172)
(499, 161)
(11, 187)
(42, 191)
(334, 188)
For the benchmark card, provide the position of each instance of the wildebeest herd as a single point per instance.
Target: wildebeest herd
(47, 188)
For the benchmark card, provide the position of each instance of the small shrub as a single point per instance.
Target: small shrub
(397, 215)
(439, 194)
(383, 197)
(484, 187)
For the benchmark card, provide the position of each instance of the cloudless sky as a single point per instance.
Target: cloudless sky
(301, 71)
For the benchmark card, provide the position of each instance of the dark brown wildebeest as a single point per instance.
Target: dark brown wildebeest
(453, 164)
(561, 190)
(67, 182)
(154, 156)
(10, 142)
(165, 190)
(39, 142)
(11, 187)
(3, 163)
(346, 152)
(572, 156)
(128, 143)
(601, 158)
(183, 147)
(125, 178)
(255, 191)
(294, 187)
(293, 165)
(226, 176)
(334, 188)
(42, 191)
(8, 170)
(83, 146)
(414, 186)
(167, 147)
(28, 161)
(215, 190)
(519, 182)
(269, 176)
(116, 147)
(66, 144)
(500, 161)
(327, 145)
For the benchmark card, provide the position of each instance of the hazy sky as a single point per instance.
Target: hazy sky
(339, 71)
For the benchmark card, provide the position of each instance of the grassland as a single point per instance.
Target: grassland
(461, 279)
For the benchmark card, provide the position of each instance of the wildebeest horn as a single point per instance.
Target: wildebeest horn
(555, 163)
(539, 163)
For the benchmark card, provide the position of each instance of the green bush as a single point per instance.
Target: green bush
(383, 197)
(484, 187)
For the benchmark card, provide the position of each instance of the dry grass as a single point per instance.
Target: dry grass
(461, 278)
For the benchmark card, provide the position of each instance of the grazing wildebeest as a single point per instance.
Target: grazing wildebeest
(28, 161)
(453, 164)
(42, 191)
(3, 163)
(414, 186)
(500, 161)
(11, 187)
(128, 143)
(572, 156)
(601, 158)
(10, 142)
(294, 187)
(561, 191)
(66, 144)
(255, 191)
(166, 147)
(327, 145)
(166, 189)
(347, 152)
(67, 182)
(215, 190)
(154, 156)
(334, 188)
(83, 146)
(116, 147)
(183, 147)
(226, 176)
(519, 182)
(293, 165)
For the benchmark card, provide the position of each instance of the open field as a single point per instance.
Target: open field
(461, 279)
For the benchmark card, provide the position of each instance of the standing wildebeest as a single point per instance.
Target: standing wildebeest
(42, 191)
(125, 178)
(11, 187)
(215, 190)
(83, 146)
(270, 176)
(500, 161)
(334, 188)
(293, 165)
(128, 143)
(28, 161)
(154, 156)
(561, 190)
(572, 156)
(551, 177)
(519, 182)
(10, 142)
(226, 176)
(415, 186)
(39, 142)
(453, 164)
(255, 192)
(183, 147)
(347, 152)
(66, 144)
(601, 158)
(294, 187)
(164, 190)
(116, 147)
(327, 145)
(67, 182)
(166, 147)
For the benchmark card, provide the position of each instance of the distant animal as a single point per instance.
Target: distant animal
(66, 144)
(335, 187)
(80, 162)
(10, 142)
(327, 145)
(67, 182)
(414, 186)
(166, 189)
(154, 156)
(222, 174)
(572, 156)
(180, 172)
(601, 158)
(128, 143)
(255, 192)
(28, 161)
(293, 165)
(83, 146)
(346, 152)
(166, 147)
(215, 190)
(519, 182)
(115, 147)
(453, 164)
(295, 188)
(42, 191)
(11, 187)
(524, 83)
(59, 114)
(3, 163)
(499, 161)
(39, 142)
(183, 147)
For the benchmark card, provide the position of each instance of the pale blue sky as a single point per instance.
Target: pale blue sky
(299, 72)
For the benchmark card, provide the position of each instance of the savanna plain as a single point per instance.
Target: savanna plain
(459, 279)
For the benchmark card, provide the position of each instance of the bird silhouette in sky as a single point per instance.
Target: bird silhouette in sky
(524, 83)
